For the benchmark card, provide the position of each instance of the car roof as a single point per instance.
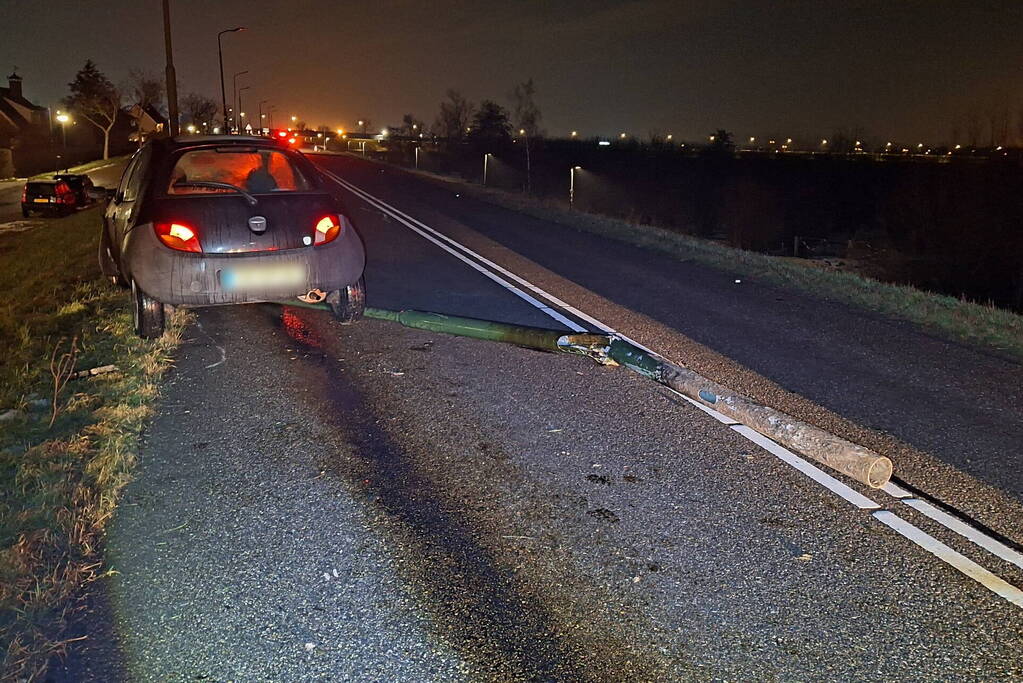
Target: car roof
(196, 140)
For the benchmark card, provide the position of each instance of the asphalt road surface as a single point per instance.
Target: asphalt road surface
(368, 502)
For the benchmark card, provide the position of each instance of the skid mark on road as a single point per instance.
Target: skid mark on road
(516, 284)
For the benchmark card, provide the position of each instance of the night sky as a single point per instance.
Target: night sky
(898, 69)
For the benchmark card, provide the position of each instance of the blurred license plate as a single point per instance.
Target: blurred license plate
(262, 277)
(40, 200)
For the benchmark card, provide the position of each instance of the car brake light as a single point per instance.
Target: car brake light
(178, 236)
(327, 230)
(24, 195)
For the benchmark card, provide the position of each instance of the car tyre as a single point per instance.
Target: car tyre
(107, 265)
(148, 313)
(25, 212)
(348, 304)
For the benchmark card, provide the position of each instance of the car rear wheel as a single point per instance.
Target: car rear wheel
(107, 265)
(24, 212)
(348, 304)
(148, 313)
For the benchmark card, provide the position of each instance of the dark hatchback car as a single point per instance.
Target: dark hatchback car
(203, 221)
(48, 196)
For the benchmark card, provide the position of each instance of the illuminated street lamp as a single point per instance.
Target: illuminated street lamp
(220, 53)
(571, 187)
(622, 136)
(575, 133)
(670, 136)
(63, 118)
(234, 90)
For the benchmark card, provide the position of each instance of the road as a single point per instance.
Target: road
(325, 502)
(10, 195)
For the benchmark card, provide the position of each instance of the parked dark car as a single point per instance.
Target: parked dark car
(81, 185)
(48, 196)
(204, 221)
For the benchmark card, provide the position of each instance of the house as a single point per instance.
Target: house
(147, 122)
(23, 125)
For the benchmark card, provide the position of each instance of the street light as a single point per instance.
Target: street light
(63, 118)
(241, 113)
(220, 53)
(261, 114)
(234, 90)
(575, 133)
(571, 187)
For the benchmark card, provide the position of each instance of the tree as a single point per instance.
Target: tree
(490, 125)
(199, 109)
(410, 125)
(721, 141)
(144, 89)
(527, 118)
(95, 99)
(454, 115)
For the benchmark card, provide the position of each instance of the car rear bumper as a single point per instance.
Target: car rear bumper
(187, 279)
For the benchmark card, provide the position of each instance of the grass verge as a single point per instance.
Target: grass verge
(84, 168)
(61, 483)
(981, 326)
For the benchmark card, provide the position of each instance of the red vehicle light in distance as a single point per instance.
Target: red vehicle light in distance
(178, 236)
(327, 230)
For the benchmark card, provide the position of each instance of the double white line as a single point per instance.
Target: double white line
(535, 296)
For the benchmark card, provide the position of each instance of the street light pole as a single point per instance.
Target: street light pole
(172, 79)
(241, 112)
(417, 156)
(234, 88)
(261, 114)
(571, 188)
(220, 54)
(485, 158)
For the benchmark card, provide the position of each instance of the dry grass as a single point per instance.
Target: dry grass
(62, 483)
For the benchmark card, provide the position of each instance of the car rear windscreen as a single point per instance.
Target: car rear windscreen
(41, 189)
(254, 170)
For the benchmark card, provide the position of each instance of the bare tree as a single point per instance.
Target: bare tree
(95, 99)
(410, 125)
(999, 120)
(527, 118)
(974, 128)
(454, 116)
(144, 89)
(199, 109)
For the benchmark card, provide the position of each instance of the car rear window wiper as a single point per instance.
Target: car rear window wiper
(218, 186)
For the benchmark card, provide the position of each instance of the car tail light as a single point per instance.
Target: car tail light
(327, 229)
(178, 236)
(64, 195)
(24, 195)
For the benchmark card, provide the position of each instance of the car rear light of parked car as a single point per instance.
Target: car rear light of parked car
(178, 236)
(64, 194)
(327, 229)
(24, 195)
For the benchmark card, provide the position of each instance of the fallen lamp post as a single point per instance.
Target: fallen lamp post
(853, 460)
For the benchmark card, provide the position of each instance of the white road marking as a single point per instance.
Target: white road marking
(993, 546)
(925, 541)
(817, 474)
(943, 552)
(223, 353)
(952, 523)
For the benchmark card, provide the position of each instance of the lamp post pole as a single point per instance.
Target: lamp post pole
(571, 188)
(220, 54)
(241, 112)
(261, 115)
(234, 88)
(486, 157)
(172, 80)
(417, 157)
